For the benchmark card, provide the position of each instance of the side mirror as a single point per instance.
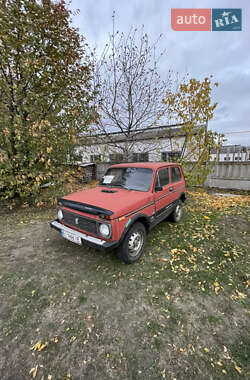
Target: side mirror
(158, 188)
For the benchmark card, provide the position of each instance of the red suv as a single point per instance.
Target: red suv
(130, 200)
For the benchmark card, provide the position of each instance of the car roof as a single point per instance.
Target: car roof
(150, 165)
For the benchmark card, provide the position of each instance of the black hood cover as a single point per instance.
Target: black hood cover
(89, 209)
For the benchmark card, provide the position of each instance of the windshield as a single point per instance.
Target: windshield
(128, 178)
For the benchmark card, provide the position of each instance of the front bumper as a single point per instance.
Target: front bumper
(91, 241)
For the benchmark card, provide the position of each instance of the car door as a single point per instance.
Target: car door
(163, 195)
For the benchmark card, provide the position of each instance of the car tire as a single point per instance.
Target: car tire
(177, 213)
(133, 244)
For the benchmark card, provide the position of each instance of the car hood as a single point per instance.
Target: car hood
(120, 201)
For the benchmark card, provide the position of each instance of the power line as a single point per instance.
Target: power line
(228, 133)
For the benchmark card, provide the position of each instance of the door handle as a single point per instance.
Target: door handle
(171, 189)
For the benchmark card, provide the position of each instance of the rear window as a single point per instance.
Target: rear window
(175, 174)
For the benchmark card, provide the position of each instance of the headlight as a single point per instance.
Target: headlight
(104, 230)
(60, 214)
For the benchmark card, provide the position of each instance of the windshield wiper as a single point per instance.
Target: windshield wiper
(115, 184)
(120, 185)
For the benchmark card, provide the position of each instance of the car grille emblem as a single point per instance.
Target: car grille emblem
(76, 220)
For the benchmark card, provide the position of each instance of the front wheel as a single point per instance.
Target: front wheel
(177, 213)
(133, 244)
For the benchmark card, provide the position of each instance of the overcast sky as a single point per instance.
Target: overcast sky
(226, 55)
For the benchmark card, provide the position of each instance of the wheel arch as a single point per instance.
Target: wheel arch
(182, 197)
(142, 218)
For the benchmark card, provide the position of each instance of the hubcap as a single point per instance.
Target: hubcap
(178, 212)
(135, 243)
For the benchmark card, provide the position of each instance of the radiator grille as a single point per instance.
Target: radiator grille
(80, 222)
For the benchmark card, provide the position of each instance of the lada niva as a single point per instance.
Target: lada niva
(129, 200)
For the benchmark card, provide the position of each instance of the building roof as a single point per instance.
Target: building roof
(157, 132)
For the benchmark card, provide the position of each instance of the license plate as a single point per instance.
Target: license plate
(72, 237)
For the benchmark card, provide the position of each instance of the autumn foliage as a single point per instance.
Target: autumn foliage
(192, 107)
(45, 94)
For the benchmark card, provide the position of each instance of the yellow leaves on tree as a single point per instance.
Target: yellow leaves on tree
(36, 118)
(192, 108)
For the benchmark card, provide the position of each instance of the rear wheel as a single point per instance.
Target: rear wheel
(177, 213)
(133, 244)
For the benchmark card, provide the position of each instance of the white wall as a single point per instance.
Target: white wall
(230, 175)
(153, 147)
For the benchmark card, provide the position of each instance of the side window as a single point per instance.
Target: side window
(175, 174)
(116, 157)
(95, 158)
(163, 177)
(140, 157)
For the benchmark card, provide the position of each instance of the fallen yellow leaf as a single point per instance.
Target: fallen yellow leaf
(42, 347)
(240, 295)
(36, 346)
(216, 289)
(238, 369)
(33, 371)
(39, 346)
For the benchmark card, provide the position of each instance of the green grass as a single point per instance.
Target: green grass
(240, 350)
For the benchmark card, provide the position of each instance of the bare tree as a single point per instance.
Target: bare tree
(130, 89)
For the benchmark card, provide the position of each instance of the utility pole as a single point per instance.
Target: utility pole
(218, 149)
